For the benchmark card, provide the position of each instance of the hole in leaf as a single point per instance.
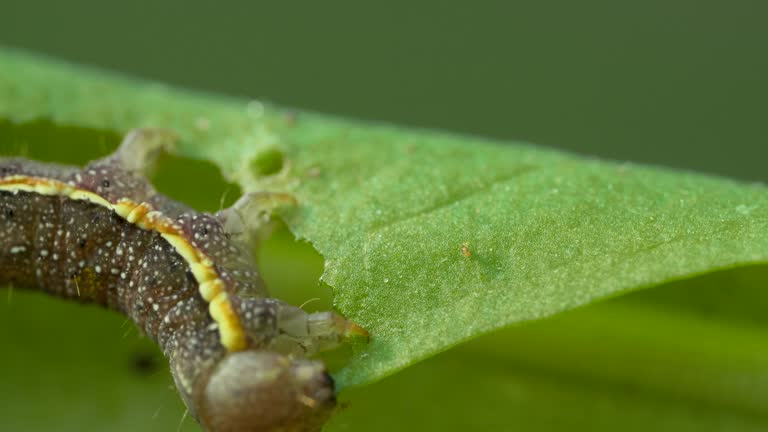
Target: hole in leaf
(267, 162)
(46, 141)
(196, 183)
(292, 269)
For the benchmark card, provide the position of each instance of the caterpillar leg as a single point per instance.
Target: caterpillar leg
(141, 148)
(292, 331)
(317, 332)
(123, 174)
(251, 212)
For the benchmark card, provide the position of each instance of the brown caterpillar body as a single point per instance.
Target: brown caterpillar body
(103, 235)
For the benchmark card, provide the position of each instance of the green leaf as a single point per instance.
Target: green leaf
(635, 364)
(431, 239)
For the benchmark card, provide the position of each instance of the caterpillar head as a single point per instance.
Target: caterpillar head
(260, 391)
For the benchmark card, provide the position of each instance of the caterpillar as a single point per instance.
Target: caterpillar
(103, 235)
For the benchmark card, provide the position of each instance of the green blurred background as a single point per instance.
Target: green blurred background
(681, 83)
(675, 83)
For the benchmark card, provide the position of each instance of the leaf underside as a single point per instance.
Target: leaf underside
(431, 239)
